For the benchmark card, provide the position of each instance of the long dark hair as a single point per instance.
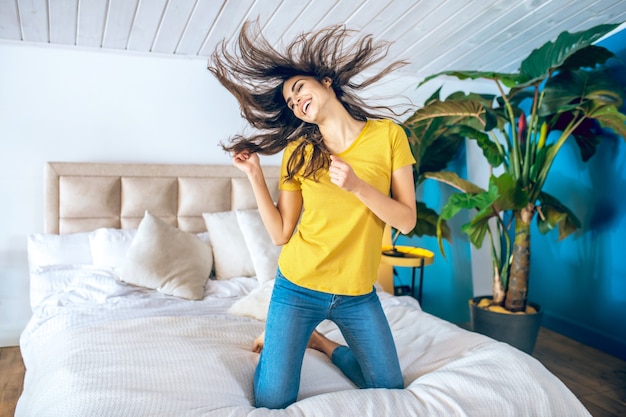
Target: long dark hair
(255, 74)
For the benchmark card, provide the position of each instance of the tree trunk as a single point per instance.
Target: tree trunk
(517, 292)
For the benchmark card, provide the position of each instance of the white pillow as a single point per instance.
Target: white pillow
(263, 252)
(167, 259)
(230, 252)
(255, 304)
(46, 249)
(109, 246)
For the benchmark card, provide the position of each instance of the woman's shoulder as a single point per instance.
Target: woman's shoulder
(292, 145)
(384, 124)
(387, 126)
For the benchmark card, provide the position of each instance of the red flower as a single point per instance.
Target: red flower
(521, 128)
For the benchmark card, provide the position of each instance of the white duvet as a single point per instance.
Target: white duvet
(98, 347)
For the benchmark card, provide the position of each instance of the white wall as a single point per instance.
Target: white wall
(478, 173)
(77, 105)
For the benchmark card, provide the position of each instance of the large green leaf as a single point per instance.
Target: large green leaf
(426, 225)
(477, 229)
(485, 99)
(440, 153)
(421, 135)
(556, 214)
(551, 55)
(587, 57)
(460, 201)
(610, 117)
(433, 145)
(548, 219)
(511, 195)
(453, 180)
(568, 89)
(439, 130)
(483, 203)
(507, 79)
(491, 152)
(589, 134)
(464, 201)
(457, 109)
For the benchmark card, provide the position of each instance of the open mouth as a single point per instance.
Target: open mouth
(305, 107)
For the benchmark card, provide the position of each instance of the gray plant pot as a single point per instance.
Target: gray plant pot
(518, 330)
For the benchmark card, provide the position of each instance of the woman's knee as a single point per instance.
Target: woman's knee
(392, 381)
(273, 397)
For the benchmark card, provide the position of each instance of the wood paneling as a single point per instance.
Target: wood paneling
(435, 35)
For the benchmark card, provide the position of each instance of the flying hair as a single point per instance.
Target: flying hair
(254, 72)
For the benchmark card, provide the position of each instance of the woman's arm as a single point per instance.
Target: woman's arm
(280, 220)
(398, 211)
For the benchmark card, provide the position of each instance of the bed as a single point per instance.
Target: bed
(150, 283)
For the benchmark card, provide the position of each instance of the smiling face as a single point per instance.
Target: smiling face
(306, 96)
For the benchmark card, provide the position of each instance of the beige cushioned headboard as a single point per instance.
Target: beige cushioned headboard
(81, 197)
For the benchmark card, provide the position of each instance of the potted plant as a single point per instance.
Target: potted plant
(562, 90)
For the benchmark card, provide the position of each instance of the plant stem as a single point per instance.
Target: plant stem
(500, 261)
(514, 146)
(532, 126)
(551, 155)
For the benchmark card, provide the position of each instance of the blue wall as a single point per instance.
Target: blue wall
(581, 281)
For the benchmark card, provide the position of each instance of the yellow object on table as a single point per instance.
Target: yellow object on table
(408, 256)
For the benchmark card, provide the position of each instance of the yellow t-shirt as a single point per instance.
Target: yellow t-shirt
(336, 246)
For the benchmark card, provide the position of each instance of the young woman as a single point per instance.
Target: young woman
(345, 173)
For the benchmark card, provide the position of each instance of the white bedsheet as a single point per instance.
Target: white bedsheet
(103, 348)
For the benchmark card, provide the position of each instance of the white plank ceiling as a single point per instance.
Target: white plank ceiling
(434, 35)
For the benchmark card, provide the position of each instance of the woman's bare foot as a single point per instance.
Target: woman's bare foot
(257, 346)
(317, 341)
(320, 342)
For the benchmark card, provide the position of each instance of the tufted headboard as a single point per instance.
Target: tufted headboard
(81, 197)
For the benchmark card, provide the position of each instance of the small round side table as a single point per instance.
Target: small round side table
(409, 256)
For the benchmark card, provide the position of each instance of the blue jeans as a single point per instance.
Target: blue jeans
(370, 361)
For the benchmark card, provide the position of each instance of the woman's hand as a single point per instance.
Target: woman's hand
(342, 175)
(247, 161)
(398, 210)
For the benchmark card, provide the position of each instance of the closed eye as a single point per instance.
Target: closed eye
(292, 105)
(297, 86)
